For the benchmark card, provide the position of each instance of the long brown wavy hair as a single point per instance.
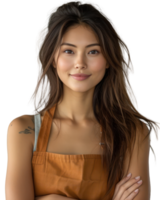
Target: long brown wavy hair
(112, 105)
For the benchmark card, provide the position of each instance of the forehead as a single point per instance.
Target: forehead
(80, 35)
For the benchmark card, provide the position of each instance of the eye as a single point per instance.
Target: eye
(72, 51)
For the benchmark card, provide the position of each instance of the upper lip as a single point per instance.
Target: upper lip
(80, 74)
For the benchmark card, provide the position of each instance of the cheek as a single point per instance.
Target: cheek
(63, 65)
(98, 65)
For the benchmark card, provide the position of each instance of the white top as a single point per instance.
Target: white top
(37, 122)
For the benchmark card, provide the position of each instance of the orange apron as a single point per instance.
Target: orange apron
(75, 176)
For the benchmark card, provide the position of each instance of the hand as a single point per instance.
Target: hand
(125, 189)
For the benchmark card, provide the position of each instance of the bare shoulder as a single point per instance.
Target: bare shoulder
(24, 126)
(141, 143)
(19, 180)
(29, 127)
(24, 117)
(139, 160)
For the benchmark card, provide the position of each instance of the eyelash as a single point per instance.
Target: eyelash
(72, 51)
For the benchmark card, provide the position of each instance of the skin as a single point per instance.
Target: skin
(77, 102)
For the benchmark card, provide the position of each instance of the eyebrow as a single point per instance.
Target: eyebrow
(90, 45)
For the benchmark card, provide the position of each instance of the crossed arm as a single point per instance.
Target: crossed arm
(53, 197)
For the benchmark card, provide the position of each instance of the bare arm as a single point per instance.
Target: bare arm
(53, 197)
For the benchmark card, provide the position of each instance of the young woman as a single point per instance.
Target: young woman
(88, 136)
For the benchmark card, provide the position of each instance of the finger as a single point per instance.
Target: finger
(124, 180)
(124, 188)
(131, 191)
(131, 196)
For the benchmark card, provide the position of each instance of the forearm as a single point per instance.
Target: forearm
(60, 197)
(44, 197)
(53, 197)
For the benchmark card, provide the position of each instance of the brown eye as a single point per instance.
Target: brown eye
(67, 50)
(72, 51)
(95, 50)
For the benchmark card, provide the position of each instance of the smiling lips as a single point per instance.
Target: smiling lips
(80, 77)
(84, 75)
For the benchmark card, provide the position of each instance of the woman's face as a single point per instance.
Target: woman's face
(80, 59)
